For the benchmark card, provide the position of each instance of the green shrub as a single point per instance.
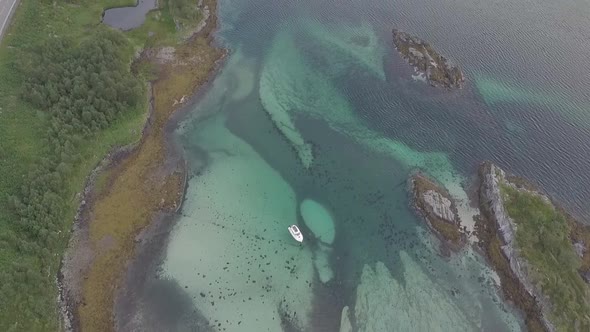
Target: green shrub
(542, 237)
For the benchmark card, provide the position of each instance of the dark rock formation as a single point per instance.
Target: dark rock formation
(500, 246)
(438, 209)
(437, 69)
(497, 232)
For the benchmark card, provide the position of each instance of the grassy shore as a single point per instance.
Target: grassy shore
(491, 245)
(142, 181)
(543, 238)
(28, 289)
(551, 250)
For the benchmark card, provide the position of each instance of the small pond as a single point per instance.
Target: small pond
(127, 18)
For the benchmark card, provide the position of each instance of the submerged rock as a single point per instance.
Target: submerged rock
(321, 262)
(412, 302)
(436, 206)
(345, 325)
(438, 70)
(319, 220)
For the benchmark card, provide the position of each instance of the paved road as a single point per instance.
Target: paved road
(6, 9)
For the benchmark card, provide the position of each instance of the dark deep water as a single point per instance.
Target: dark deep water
(315, 120)
(527, 101)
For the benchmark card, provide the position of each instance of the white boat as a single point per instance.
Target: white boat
(296, 233)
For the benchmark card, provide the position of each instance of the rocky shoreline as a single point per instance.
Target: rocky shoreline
(78, 255)
(436, 69)
(438, 209)
(498, 233)
(151, 241)
(169, 172)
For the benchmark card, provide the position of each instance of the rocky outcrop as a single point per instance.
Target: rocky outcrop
(492, 206)
(438, 209)
(438, 70)
(580, 237)
(439, 205)
(580, 249)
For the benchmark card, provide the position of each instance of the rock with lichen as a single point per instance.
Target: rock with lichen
(437, 69)
(433, 202)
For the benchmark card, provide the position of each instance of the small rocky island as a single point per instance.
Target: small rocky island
(436, 206)
(540, 252)
(438, 70)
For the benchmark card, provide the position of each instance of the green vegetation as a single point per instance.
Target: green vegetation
(82, 90)
(67, 96)
(184, 12)
(543, 240)
(138, 180)
(159, 25)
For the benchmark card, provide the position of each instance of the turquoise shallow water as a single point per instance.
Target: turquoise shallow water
(314, 120)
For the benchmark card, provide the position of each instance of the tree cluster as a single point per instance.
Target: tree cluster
(82, 89)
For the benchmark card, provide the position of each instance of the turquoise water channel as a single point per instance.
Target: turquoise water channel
(315, 120)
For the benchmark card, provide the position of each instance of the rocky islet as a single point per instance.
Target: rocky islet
(436, 206)
(497, 237)
(436, 68)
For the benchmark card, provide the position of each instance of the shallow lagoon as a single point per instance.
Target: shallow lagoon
(315, 121)
(233, 255)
